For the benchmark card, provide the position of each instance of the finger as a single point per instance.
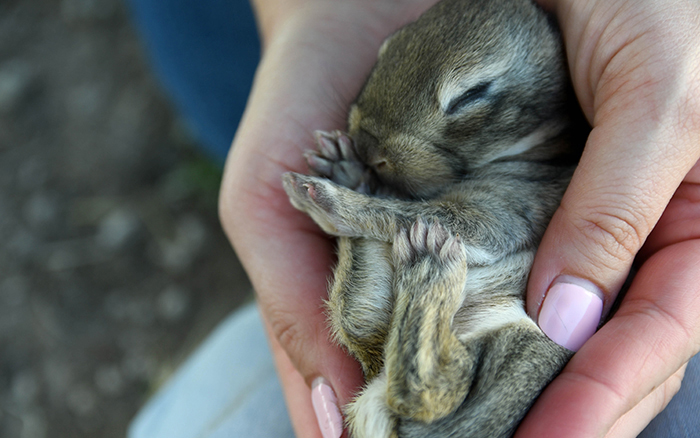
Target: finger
(680, 219)
(651, 336)
(297, 395)
(645, 137)
(635, 421)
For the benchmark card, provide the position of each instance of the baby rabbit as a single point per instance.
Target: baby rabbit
(460, 147)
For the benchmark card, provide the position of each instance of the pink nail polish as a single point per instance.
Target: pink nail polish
(325, 405)
(570, 314)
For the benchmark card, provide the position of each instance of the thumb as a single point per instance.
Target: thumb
(644, 105)
(624, 182)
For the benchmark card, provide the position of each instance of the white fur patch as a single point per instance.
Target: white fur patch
(371, 417)
(383, 47)
(528, 142)
(478, 256)
(494, 318)
(493, 315)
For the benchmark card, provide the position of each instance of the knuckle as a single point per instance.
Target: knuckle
(289, 330)
(288, 333)
(679, 330)
(620, 231)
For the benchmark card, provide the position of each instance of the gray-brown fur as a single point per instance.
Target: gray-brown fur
(458, 151)
(430, 369)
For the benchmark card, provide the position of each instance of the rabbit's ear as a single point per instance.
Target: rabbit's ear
(386, 43)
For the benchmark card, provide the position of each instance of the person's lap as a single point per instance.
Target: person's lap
(227, 388)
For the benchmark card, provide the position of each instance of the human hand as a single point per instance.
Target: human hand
(635, 65)
(317, 55)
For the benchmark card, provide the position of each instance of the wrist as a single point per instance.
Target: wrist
(271, 14)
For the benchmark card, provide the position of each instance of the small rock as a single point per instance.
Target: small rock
(140, 312)
(81, 400)
(32, 174)
(118, 229)
(109, 380)
(114, 307)
(64, 255)
(50, 320)
(180, 252)
(62, 258)
(41, 210)
(34, 425)
(85, 100)
(173, 303)
(126, 308)
(139, 367)
(16, 78)
(25, 389)
(128, 115)
(14, 291)
(23, 244)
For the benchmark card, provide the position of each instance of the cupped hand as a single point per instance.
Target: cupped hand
(317, 54)
(634, 201)
(633, 65)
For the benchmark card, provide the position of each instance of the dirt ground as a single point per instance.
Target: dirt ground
(113, 264)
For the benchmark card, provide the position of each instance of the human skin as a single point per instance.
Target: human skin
(634, 67)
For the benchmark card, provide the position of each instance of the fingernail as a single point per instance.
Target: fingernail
(570, 314)
(325, 404)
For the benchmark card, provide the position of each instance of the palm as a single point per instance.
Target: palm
(310, 73)
(313, 67)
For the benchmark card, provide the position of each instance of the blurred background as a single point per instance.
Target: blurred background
(113, 265)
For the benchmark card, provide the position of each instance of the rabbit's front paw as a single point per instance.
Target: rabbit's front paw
(323, 200)
(337, 160)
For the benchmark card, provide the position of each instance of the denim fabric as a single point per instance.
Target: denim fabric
(205, 53)
(227, 388)
(681, 418)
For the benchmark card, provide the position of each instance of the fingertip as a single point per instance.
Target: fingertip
(326, 408)
(567, 255)
(315, 396)
(571, 312)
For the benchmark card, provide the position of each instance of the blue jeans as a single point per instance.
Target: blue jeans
(206, 52)
(227, 389)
